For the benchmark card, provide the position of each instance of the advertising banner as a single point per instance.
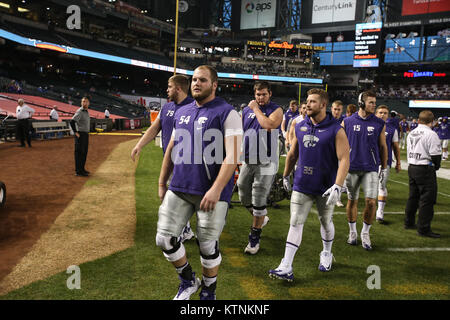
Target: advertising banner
(258, 14)
(416, 7)
(324, 11)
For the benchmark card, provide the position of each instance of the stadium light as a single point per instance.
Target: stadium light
(412, 34)
(389, 36)
(400, 35)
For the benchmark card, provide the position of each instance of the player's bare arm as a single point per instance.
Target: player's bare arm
(271, 122)
(343, 155)
(166, 170)
(396, 148)
(383, 148)
(232, 150)
(149, 135)
(291, 158)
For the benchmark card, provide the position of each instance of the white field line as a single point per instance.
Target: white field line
(417, 249)
(313, 210)
(405, 184)
(397, 212)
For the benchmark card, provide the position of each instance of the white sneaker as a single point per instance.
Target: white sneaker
(250, 249)
(326, 260)
(187, 234)
(339, 203)
(365, 239)
(187, 288)
(266, 221)
(352, 238)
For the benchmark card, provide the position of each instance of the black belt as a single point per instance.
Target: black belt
(421, 165)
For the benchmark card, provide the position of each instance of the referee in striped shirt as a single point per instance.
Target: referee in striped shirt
(424, 159)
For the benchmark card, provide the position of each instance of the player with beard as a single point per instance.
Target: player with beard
(201, 182)
(368, 150)
(321, 148)
(261, 120)
(177, 94)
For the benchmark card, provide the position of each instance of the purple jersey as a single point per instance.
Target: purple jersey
(288, 116)
(249, 121)
(317, 163)
(444, 131)
(389, 132)
(413, 126)
(193, 176)
(341, 118)
(166, 117)
(395, 122)
(363, 135)
(404, 125)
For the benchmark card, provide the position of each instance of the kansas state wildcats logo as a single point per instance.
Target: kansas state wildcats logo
(310, 141)
(202, 120)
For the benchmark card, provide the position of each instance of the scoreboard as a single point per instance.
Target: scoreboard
(367, 45)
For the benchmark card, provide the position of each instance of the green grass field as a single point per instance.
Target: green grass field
(142, 272)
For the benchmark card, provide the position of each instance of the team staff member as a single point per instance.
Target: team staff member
(205, 188)
(107, 114)
(392, 144)
(263, 117)
(80, 124)
(23, 114)
(424, 159)
(368, 150)
(177, 93)
(321, 148)
(54, 114)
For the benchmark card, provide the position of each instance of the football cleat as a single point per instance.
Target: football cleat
(365, 239)
(339, 203)
(283, 274)
(326, 260)
(352, 238)
(187, 288)
(253, 245)
(187, 234)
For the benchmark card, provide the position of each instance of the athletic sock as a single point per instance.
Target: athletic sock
(352, 226)
(255, 232)
(208, 281)
(365, 228)
(185, 271)
(380, 210)
(293, 241)
(327, 237)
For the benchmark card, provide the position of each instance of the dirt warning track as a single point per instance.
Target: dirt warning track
(41, 184)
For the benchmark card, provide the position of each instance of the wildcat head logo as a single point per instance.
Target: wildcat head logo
(310, 141)
(202, 120)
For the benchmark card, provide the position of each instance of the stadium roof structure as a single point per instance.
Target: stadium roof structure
(102, 56)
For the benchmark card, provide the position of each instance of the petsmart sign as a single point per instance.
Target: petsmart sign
(257, 14)
(324, 11)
